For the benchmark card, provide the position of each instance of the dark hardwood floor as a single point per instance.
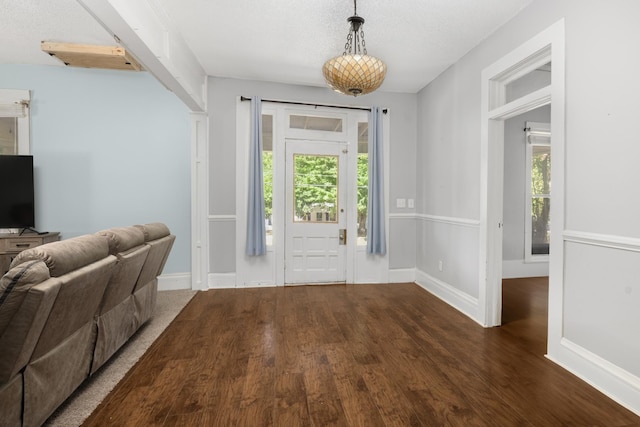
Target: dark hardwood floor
(354, 355)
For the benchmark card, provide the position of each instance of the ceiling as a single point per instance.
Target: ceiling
(280, 40)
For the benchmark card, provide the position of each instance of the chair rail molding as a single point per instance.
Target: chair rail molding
(603, 240)
(396, 215)
(463, 222)
(221, 218)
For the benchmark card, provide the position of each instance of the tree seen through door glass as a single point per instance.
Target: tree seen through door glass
(315, 188)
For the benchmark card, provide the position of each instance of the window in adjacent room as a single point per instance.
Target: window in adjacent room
(538, 191)
(14, 121)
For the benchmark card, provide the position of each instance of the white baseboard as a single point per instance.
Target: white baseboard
(259, 284)
(174, 281)
(402, 275)
(459, 300)
(513, 269)
(222, 280)
(611, 380)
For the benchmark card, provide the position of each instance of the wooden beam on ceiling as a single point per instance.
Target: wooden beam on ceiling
(92, 56)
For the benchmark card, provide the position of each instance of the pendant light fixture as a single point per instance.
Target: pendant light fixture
(354, 72)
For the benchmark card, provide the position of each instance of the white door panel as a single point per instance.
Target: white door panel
(316, 212)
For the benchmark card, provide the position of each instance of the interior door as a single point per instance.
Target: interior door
(315, 227)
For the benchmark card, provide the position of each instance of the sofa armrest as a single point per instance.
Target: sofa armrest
(23, 331)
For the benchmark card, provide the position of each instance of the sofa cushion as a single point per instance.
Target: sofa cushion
(122, 239)
(67, 255)
(11, 402)
(14, 286)
(153, 231)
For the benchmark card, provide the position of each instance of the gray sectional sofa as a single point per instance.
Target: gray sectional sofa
(66, 307)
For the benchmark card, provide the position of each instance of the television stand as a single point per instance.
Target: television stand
(12, 244)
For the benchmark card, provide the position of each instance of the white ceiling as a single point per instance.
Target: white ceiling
(280, 40)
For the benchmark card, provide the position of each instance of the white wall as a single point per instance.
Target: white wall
(599, 294)
(222, 137)
(111, 148)
(448, 201)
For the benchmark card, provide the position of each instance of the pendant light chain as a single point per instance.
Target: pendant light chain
(348, 45)
(355, 39)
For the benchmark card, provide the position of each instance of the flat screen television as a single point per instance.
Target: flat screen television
(17, 207)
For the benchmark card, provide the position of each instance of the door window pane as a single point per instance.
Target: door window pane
(315, 188)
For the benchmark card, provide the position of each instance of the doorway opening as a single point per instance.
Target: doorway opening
(526, 194)
(526, 214)
(502, 99)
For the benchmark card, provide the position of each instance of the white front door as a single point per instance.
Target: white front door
(315, 242)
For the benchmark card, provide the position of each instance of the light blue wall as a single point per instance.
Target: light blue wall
(111, 148)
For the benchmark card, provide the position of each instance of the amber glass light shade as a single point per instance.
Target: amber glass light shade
(354, 74)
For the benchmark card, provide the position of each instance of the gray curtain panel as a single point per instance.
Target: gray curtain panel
(256, 244)
(376, 240)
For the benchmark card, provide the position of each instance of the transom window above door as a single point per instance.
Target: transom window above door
(316, 125)
(327, 124)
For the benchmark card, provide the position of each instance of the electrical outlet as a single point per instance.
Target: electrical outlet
(440, 265)
(401, 203)
(410, 204)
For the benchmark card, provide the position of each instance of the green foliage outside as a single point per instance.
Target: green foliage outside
(363, 193)
(267, 171)
(315, 184)
(540, 185)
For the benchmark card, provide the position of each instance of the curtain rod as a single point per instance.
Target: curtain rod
(276, 101)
